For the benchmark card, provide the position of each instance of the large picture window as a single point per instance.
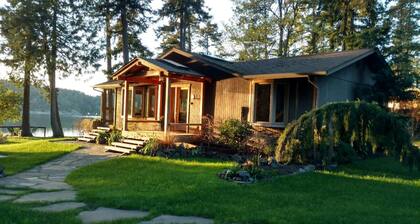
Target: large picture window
(144, 101)
(270, 102)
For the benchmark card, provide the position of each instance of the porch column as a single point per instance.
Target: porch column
(167, 105)
(201, 104)
(159, 101)
(125, 106)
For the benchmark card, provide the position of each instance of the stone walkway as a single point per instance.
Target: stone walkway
(61, 197)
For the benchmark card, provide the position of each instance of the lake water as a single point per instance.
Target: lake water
(68, 122)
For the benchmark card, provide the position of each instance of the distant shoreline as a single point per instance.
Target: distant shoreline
(65, 114)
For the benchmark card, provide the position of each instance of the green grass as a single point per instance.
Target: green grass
(24, 153)
(374, 191)
(22, 214)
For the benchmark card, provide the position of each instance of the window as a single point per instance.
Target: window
(144, 101)
(151, 101)
(122, 102)
(280, 102)
(129, 97)
(138, 102)
(262, 102)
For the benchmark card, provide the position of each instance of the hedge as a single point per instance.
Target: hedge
(344, 131)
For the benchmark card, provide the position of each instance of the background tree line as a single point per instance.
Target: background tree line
(47, 39)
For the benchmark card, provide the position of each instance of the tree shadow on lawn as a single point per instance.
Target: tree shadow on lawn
(193, 188)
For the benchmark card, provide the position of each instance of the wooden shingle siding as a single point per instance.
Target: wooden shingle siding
(231, 96)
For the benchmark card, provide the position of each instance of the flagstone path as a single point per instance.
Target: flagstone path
(48, 180)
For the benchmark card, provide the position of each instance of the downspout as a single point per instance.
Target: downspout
(316, 88)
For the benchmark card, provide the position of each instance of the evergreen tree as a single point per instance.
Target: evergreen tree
(209, 37)
(19, 21)
(184, 20)
(9, 104)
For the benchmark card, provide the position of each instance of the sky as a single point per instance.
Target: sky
(221, 10)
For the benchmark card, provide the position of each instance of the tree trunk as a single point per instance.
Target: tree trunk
(182, 27)
(55, 114)
(124, 24)
(108, 37)
(281, 29)
(26, 127)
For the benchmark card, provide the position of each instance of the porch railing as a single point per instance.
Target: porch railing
(188, 128)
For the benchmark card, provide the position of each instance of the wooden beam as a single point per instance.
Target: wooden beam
(159, 102)
(167, 104)
(125, 116)
(201, 102)
(188, 108)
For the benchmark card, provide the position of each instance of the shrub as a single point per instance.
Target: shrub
(3, 138)
(102, 138)
(340, 132)
(151, 147)
(87, 124)
(234, 133)
(114, 136)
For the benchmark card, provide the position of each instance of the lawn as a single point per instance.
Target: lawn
(24, 153)
(374, 191)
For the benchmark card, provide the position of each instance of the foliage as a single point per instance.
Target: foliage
(114, 136)
(235, 133)
(9, 104)
(102, 138)
(3, 138)
(374, 191)
(151, 147)
(326, 135)
(188, 21)
(207, 130)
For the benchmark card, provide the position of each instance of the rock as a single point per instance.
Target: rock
(2, 174)
(47, 197)
(244, 174)
(170, 219)
(10, 191)
(60, 207)
(109, 215)
(6, 197)
(331, 167)
(309, 168)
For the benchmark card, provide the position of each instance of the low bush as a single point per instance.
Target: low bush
(341, 132)
(235, 133)
(114, 136)
(3, 138)
(151, 147)
(102, 138)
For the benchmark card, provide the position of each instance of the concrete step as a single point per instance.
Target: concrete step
(94, 133)
(83, 139)
(125, 145)
(104, 128)
(133, 141)
(98, 131)
(117, 149)
(89, 136)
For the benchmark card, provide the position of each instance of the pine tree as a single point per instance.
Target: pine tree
(19, 21)
(184, 20)
(209, 37)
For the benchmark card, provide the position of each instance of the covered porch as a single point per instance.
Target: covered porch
(154, 97)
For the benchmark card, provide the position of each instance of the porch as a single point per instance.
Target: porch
(157, 98)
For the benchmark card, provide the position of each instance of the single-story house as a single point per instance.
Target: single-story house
(172, 93)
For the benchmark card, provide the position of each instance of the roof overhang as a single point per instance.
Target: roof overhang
(112, 84)
(283, 75)
(347, 63)
(138, 62)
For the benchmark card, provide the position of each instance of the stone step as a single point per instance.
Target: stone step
(94, 133)
(83, 139)
(133, 141)
(125, 145)
(89, 136)
(98, 131)
(117, 149)
(103, 128)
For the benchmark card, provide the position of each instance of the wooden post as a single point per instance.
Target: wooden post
(188, 108)
(167, 105)
(159, 102)
(201, 104)
(125, 106)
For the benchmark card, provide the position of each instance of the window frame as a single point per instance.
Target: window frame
(272, 113)
(145, 102)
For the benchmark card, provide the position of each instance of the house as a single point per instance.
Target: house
(170, 95)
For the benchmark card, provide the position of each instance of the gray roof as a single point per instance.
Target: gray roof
(309, 64)
(173, 67)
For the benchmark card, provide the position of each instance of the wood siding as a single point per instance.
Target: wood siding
(231, 99)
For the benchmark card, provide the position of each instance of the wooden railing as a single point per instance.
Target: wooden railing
(11, 127)
(187, 128)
